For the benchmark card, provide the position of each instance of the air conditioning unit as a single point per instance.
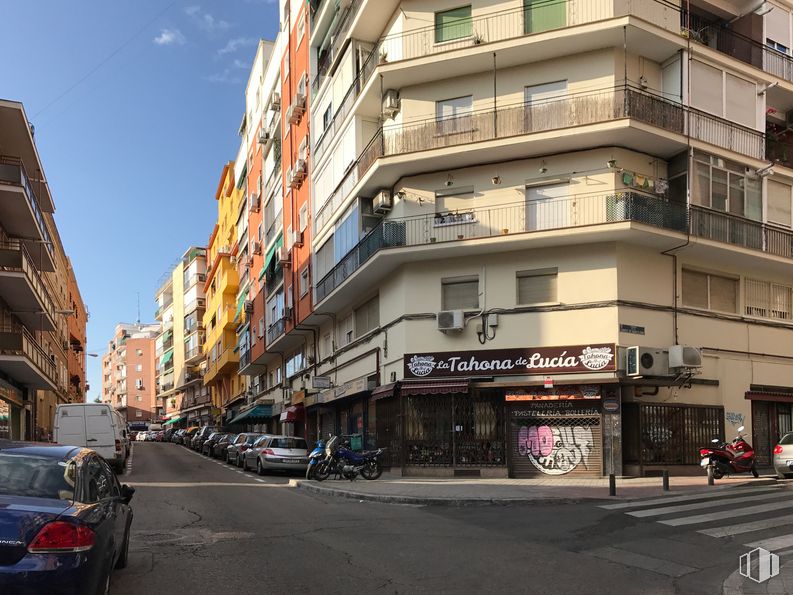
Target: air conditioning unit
(382, 202)
(264, 136)
(256, 204)
(450, 320)
(257, 247)
(390, 103)
(287, 312)
(683, 357)
(139, 383)
(300, 167)
(297, 174)
(646, 361)
(297, 239)
(300, 102)
(284, 257)
(275, 104)
(248, 306)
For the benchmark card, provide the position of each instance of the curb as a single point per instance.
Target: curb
(313, 487)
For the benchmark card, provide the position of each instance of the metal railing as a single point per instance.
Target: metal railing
(12, 172)
(190, 280)
(198, 303)
(22, 342)
(26, 266)
(509, 219)
(275, 330)
(731, 229)
(274, 228)
(338, 37)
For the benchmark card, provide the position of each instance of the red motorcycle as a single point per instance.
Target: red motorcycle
(726, 458)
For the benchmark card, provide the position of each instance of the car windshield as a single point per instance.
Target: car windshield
(787, 439)
(251, 439)
(288, 443)
(38, 477)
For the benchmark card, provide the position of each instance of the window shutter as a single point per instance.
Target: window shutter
(453, 24)
(695, 289)
(741, 100)
(778, 203)
(462, 294)
(777, 26)
(723, 294)
(707, 88)
(537, 287)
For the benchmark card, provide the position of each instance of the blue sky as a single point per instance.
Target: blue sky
(154, 94)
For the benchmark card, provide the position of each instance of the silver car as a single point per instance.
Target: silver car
(284, 453)
(236, 450)
(250, 456)
(783, 456)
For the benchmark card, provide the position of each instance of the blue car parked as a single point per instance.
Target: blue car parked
(64, 520)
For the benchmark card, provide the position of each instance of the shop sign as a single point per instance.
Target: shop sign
(10, 394)
(560, 393)
(298, 397)
(352, 387)
(535, 409)
(502, 362)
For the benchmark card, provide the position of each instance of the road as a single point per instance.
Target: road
(203, 527)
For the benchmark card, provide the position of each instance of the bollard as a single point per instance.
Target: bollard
(666, 480)
(710, 476)
(612, 485)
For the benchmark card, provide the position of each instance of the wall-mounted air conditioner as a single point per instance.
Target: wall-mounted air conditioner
(646, 361)
(297, 238)
(450, 320)
(257, 247)
(390, 103)
(275, 104)
(382, 203)
(682, 357)
(284, 257)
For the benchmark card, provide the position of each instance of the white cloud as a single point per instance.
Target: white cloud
(205, 21)
(224, 77)
(241, 65)
(232, 45)
(170, 37)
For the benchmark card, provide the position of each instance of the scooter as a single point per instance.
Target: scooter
(314, 458)
(725, 458)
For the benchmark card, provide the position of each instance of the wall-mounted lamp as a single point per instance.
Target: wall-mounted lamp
(496, 180)
(449, 180)
(611, 163)
(765, 171)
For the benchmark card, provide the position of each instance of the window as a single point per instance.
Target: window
(723, 94)
(777, 46)
(453, 24)
(139, 352)
(139, 398)
(294, 364)
(460, 293)
(542, 15)
(301, 85)
(139, 368)
(710, 292)
(725, 186)
(301, 28)
(779, 203)
(768, 300)
(367, 317)
(139, 413)
(138, 383)
(454, 115)
(261, 328)
(346, 331)
(324, 259)
(453, 199)
(303, 217)
(100, 481)
(537, 287)
(327, 115)
(346, 236)
(304, 282)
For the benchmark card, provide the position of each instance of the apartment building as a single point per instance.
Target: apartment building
(181, 305)
(76, 325)
(36, 313)
(129, 372)
(221, 289)
(506, 198)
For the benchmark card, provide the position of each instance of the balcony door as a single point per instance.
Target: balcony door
(543, 15)
(548, 207)
(546, 107)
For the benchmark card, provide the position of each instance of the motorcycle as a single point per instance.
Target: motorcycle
(342, 462)
(727, 458)
(314, 458)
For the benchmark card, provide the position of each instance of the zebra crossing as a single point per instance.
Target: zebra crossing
(695, 510)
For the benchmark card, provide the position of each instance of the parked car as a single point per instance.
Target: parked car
(210, 442)
(97, 426)
(201, 436)
(239, 446)
(251, 454)
(783, 456)
(221, 447)
(159, 436)
(64, 519)
(133, 436)
(283, 453)
(176, 438)
(187, 437)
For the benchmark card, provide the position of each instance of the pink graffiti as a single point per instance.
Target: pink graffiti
(555, 450)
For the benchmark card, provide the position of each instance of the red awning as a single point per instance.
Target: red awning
(382, 392)
(438, 387)
(293, 414)
(770, 396)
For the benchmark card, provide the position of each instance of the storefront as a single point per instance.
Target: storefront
(772, 418)
(12, 414)
(481, 412)
(342, 410)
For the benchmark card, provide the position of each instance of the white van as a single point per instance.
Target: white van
(96, 426)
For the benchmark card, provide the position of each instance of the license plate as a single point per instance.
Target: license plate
(788, 463)
(704, 462)
(291, 460)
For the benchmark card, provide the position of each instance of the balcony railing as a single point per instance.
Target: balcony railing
(510, 219)
(717, 35)
(272, 282)
(193, 305)
(193, 352)
(16, 340)
(730, 229)
(337, 37)
(245, 359)
(162, 308)
(14, 257)
(13, 172)
(191, 280)
(274, 228)
(276, 329)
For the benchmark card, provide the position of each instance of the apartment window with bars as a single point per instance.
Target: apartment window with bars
(536, 287)
(765, 299)
(460, 293)
(710, 292)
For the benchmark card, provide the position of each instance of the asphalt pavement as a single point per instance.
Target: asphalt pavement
(204, 527)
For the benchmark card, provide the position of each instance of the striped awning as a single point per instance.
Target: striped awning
(166, 357)
(383, 392)
(438, 387)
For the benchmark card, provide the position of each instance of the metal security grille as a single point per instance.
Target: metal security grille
(669, 434)
(556, 446)
(387, 430)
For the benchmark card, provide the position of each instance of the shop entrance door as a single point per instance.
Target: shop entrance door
(761, 432)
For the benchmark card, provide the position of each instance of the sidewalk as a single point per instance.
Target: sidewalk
(476, 492)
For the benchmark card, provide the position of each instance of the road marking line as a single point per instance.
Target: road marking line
(773, 544)
(635, 560)
(700, 505)
(729, 530)
(671, 499)
(726, 514)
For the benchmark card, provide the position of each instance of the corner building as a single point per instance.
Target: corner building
(506, 197)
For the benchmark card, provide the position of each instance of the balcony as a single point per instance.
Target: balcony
(275, 227)
(737, 231)
(337, 36)
(196, 304)
(229, 280)
(21, 215)
(22, 288)
(23, 359)
(192, 255)
(162, 308)
(226, 363)
(195, 354)
(275, 330)
(191, 280)
(274, 281)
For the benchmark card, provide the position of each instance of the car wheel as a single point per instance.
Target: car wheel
(259, 468)
(124, 555)
(244, 464)
(228, 459)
